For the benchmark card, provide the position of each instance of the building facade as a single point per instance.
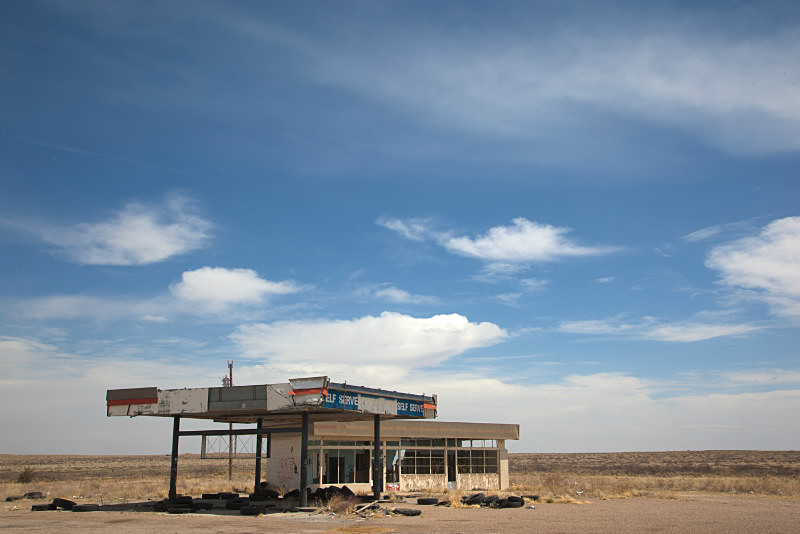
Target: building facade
(417, 456)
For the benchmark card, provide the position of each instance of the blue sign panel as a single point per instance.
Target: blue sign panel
(349, 400)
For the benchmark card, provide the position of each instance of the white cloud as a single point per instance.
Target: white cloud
(605, 280)
(677, 75)
(217, 288)
(401, 296)
(523, 241)
(582, 412)
(391, 341)
(650, 328)
(717, 230)
(85, 307)
(768, 265)
(208, 290)
(413, 229)
(534, 285)
(138, 235)
(504, 248)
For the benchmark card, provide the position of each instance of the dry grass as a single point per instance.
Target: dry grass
(121, 478)
(343, 504)
(573, 478)
(566, 478)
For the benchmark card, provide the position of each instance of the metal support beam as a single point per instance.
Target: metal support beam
(257, 484)
(377, 462)
(173, 470)
(240, 432)
(304, 461)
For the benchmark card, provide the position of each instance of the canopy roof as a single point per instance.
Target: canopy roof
(275, 404)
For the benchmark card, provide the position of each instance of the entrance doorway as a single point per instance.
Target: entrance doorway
(451, 470)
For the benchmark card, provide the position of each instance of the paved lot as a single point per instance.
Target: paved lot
(684, 513)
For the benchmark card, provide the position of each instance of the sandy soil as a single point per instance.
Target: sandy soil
(684, 513)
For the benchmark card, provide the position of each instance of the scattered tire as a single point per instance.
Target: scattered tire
(476, 498)
(66, 504)
(34, 495)
(443, 503)
(179, 509)
(407, 511)
(211, 495)
(490, 500)
(534, 498)
(160, 507)
(43, 507)
(227, 495)
(235, 505)
(251, 510)
(427, 500)
(181, 500)
(513, 504)
(86, 508)
(513, 498)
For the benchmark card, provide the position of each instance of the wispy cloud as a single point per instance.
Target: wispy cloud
(396, 295)
(652, 329)
(413, 229)
(718, 230)
(504, 248)
(522, 241)
(766, 265)
(139, 234)
(686, 76)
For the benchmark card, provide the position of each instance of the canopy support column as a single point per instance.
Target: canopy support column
(259, 437)
(173, 470)
(377, 461)
(304, 462)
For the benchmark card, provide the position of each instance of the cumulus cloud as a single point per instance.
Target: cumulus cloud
(767, 265)
(139, 234)
(217, 288)
(389, 341)
(651, 328)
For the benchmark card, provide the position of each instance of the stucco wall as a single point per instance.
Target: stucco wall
(422, 482)
(283, 465)
(470, 481)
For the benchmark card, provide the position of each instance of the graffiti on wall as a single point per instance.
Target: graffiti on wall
(286, 470)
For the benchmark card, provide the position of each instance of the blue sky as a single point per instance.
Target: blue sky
(581, 218)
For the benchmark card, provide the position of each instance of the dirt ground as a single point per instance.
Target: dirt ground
(682, 513)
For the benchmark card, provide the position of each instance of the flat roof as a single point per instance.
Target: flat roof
(276, 404)
(404, 428)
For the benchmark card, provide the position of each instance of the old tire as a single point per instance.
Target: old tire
(66, 504)
(427, 500)
(43, 507)
(407, 511)
(251, 510)
(86, 508)
(475, 498)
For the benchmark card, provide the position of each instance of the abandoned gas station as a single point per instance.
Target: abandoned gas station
(320, 433)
